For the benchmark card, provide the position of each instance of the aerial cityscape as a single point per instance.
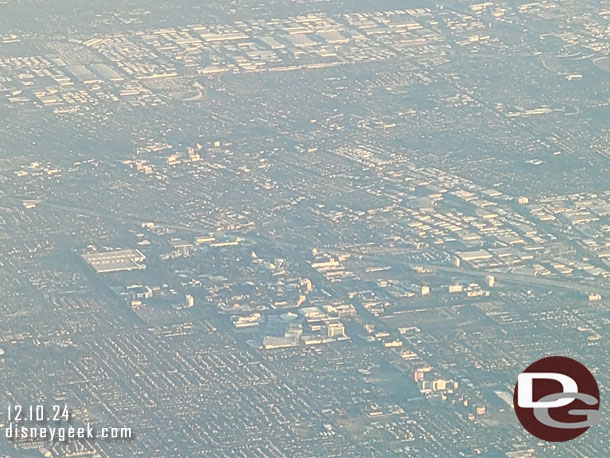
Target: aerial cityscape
(300, 229)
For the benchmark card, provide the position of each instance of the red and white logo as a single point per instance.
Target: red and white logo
(557, 399)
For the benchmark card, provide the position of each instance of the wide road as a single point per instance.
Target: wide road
(393, 261)
(505, 277)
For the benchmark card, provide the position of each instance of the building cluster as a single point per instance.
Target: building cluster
(320, 234)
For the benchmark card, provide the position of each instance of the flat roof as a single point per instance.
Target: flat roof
(115, 261)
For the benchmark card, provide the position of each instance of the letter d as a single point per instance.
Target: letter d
(526, 390)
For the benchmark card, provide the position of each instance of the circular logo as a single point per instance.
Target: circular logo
(556, 399)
